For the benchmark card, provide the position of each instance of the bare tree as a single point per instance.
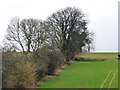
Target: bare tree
(68, 29)
(14, 35)
(33, 33)
(25, 35)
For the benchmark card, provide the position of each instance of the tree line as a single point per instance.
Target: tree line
(65, 29)
(43, 46)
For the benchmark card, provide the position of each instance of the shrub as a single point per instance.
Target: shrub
(56, 59)
(22, 76)
(24, 69)
(48, 58)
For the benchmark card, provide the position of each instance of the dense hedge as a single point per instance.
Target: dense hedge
(26, 69)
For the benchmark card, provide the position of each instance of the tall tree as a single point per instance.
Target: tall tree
(68, 29)
(14, 35)
(25, 35)
(33, 33)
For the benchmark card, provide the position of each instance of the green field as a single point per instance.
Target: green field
(101, 74)
(98, 55)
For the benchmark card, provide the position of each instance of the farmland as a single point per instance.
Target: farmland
(100, 55)
(97, 74)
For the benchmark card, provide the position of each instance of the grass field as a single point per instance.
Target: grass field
(102, 74)
(98, 55)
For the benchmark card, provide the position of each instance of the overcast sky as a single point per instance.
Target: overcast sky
(102, 15)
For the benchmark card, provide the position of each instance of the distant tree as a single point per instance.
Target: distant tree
(24, 35)
(68, 31)
(89, 43)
